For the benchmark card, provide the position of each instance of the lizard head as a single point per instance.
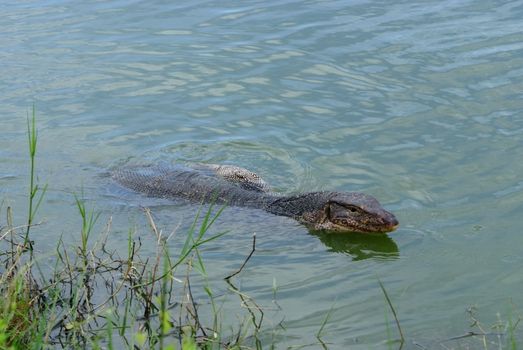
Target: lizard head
(350, 212)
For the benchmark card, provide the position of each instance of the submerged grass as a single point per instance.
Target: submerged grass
(393, 310)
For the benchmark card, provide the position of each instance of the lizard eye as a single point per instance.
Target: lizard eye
(338, 211)
(353, 209)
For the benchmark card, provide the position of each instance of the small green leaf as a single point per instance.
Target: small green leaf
(141, 338)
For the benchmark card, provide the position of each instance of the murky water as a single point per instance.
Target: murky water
(417, 103)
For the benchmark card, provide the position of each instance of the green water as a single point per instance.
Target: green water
(417, 103)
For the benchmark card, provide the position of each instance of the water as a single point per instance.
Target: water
(417, 103)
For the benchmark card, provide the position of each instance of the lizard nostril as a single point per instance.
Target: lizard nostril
(391, 221)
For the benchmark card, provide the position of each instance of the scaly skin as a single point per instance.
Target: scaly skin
(325, 211)
(336, 212)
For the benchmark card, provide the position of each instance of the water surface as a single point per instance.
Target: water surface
(419, 103)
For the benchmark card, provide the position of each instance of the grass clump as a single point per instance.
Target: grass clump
(92, 297)
(17, 310)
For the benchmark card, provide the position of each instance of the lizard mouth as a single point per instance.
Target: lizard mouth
(391, 223)
(340, 228)
(388, 223)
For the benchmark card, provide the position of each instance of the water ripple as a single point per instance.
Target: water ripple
(418, 103)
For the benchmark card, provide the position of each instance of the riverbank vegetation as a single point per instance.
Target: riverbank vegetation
(91, 297)
(88, 295)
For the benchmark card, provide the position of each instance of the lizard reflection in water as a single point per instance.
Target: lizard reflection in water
(360, 246)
